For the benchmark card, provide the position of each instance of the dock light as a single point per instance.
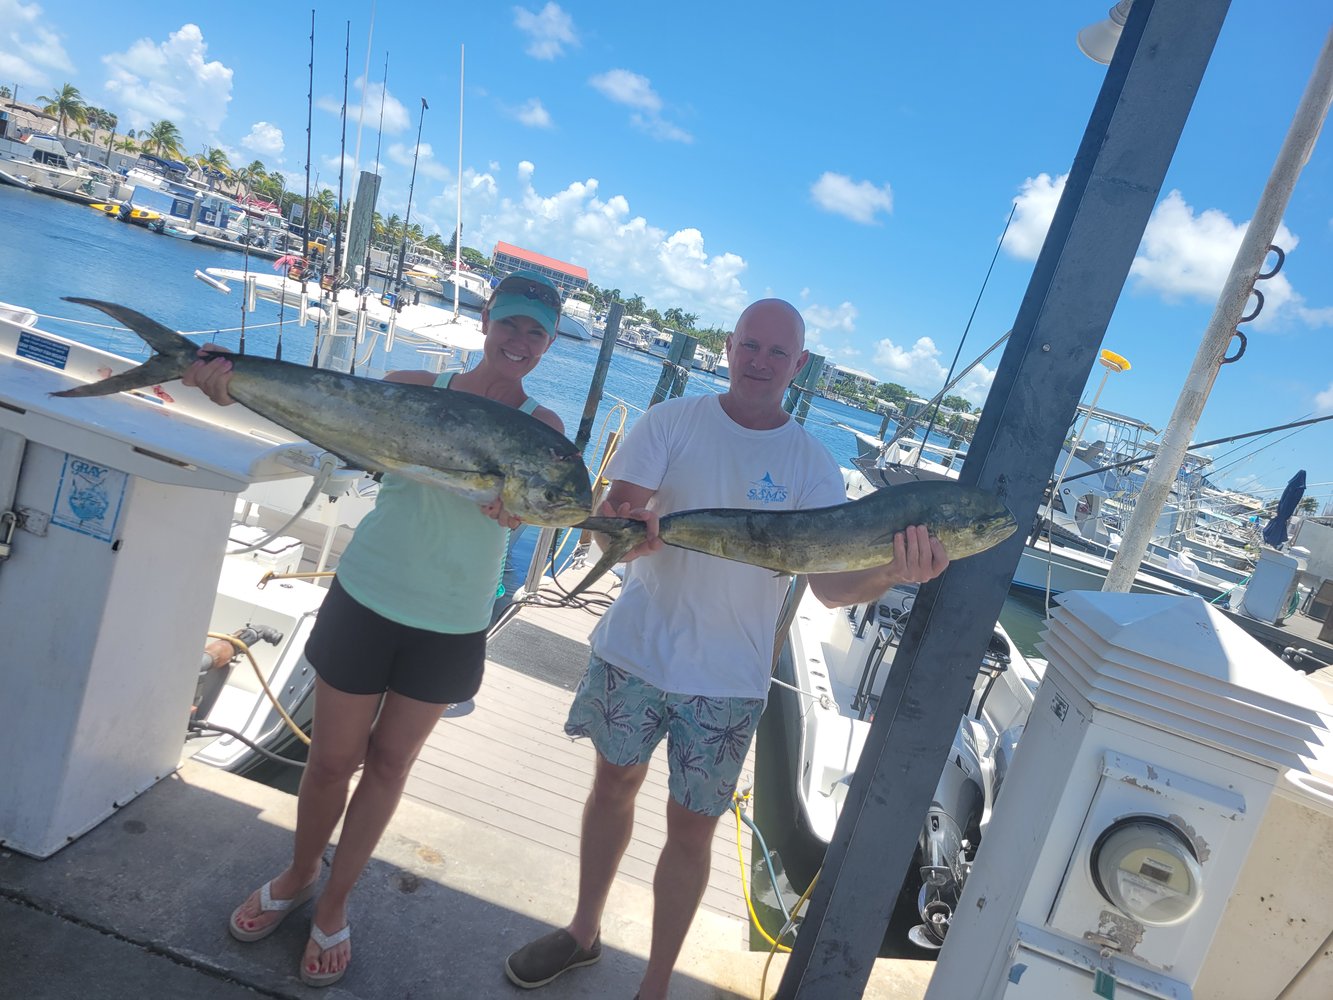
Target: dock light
(1098, 41)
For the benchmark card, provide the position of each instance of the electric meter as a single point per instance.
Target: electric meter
(1147, 868)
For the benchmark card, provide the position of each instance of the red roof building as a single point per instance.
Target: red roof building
(508, 258)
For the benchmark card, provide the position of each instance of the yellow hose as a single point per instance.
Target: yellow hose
(763, 982)
(242, 647)
(745, 882)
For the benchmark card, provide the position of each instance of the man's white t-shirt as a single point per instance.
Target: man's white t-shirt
(691, 623)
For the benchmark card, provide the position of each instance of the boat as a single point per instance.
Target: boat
(179, 232)
(15, 180)
(472, 289)
(367, 321)
(568, 326)
(830, 677)
(144, 217)
(39, 161)
(1073, 545)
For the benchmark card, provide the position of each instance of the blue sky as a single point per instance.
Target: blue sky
(859, 159)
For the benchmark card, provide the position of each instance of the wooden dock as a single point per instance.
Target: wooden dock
(503, 761)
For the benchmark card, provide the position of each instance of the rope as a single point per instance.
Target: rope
(243, 648)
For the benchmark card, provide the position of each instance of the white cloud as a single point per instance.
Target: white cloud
(1183, 255)
(1035, 207)
(821, 318)
(549, 30)
(859, 201)
(580, 225)
(532, 113)
(376, 100)
(631, 89)
(427, 165)
(31, 52)
(171, 81)
(1324, 401)
(264, 139)
(919, 369)
(660, 128)
(635, 91)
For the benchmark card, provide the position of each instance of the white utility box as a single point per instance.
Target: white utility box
(1272, 584)
(1138, 791)
(122, 506)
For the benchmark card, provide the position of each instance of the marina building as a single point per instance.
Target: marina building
(838, 379)
(507, 258)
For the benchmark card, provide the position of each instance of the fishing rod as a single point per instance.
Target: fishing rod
(305, 210)
(935, 411)
(379, 135)
(1202, 444)
(342, 168)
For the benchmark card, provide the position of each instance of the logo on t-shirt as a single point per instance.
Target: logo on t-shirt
(767, 491)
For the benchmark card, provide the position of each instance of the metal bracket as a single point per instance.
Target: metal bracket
(8, 522)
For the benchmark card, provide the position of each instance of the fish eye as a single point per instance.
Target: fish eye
(552, 495)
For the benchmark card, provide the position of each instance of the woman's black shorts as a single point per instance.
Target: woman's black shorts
(360, 652)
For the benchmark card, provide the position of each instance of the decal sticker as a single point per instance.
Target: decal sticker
(89, 498)
(47, 352)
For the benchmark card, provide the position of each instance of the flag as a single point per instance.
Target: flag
(424, 105)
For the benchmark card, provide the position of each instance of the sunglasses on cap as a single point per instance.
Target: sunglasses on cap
(529, 289)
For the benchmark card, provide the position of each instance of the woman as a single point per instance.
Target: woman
(401, 634)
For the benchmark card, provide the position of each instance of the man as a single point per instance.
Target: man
(686, 649)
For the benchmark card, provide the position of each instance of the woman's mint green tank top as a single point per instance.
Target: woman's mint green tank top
(426, 557)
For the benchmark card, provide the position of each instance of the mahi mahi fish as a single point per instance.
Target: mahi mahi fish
(466, 444)
(850, 536)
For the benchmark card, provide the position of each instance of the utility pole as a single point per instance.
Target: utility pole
(1254, 249)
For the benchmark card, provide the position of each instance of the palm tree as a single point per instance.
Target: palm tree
(107, 122)
(214, 163)
(67, 105)
(323, 204)
(162, 138)
(6, 93)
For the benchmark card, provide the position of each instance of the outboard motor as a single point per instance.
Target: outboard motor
(946, 852)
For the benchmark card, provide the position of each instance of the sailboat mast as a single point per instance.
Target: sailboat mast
(458, 225)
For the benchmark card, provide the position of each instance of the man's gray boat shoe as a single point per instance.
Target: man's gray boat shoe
(540, 961)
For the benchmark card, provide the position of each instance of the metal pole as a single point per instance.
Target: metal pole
(1254, 248)
(402, 246)
(1098, 225)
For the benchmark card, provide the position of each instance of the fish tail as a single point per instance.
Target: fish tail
(174, 353)
(621, 535)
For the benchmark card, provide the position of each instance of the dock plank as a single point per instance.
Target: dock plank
(504, 762)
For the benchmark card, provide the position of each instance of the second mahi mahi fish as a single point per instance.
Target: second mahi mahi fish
(851, 536)
(463, 443)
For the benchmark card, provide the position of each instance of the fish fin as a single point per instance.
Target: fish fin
(622, 534)
(154, 371)
(174, 353)
(161, 339)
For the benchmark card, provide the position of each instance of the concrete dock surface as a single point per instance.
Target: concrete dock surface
(138, 907)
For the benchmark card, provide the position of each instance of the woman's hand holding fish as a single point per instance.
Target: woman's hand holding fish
(496, 510)
(212, 376)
